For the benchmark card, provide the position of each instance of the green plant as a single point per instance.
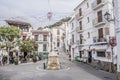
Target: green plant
(16, 61)
(34, 58)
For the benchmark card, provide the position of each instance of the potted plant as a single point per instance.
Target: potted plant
(34, 58)
(16, 61)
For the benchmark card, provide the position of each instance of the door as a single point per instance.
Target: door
(99, 13)
(80, 54)
(73, 52)
(89, 57)
(100, 34)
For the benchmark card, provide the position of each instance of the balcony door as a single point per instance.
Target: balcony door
(80, 12)
(100, 33)
(81, 40)
(99, 13)
(80, 25)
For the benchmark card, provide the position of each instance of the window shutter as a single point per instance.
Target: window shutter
(107, 31)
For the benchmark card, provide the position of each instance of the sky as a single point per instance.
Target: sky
(35, 11)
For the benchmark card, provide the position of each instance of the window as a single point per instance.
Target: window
(100, 53)
(24, 37)
(58, 38)
(44, 37)
(107, 31)
(88, 34)
(99, 1)
(58, 44)
(73, 38)
(88, 19)
(36, 37)
(99, 16)
(44, 47)
(87, 5)
(80, 25)
(81, 39)
(100, 33)
(51, 38)
(72, 25)
(58, 32)
(80, 12)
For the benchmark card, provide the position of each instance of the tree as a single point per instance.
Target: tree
(8, 35)
(28, 45)
(58, 23)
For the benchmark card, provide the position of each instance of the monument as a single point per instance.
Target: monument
(53, 61)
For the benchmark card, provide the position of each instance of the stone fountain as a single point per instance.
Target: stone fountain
(53, 61)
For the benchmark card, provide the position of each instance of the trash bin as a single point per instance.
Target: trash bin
(77, 58)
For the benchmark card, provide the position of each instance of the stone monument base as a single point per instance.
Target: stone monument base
(53, 62)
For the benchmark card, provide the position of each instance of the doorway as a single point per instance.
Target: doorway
(89, 56)
(80, 54)
(25, 54)
(73, 53)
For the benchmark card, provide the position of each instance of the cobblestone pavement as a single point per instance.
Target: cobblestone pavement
(70, 71)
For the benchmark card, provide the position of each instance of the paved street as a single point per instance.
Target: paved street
(69, 71)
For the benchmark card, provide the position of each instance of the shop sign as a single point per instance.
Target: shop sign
(112, 41)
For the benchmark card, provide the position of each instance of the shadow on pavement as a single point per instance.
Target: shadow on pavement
(96, 72)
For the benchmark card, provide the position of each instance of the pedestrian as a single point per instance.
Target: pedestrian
(3, 60)
(0, 60)
(69, 57)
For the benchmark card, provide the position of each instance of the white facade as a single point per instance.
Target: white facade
(93, 30)
(43, 38)
(58, 37)
(72, 38)
(117, 31)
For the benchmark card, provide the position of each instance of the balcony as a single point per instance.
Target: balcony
(79, 30)
(96, 6)
(97, 23)
(99, 40)
(71, 42)
(78, 17)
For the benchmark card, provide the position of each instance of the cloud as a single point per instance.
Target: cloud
(35, 11)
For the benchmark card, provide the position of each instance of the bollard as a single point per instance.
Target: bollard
(43, 65)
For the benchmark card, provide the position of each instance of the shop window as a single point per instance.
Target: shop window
(100, 54)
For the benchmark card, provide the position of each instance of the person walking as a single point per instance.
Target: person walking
(1, 60)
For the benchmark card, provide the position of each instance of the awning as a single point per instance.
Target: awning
(99, 47)
(24, 34)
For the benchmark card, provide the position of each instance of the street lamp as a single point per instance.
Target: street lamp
(108, 17)
(112, 40)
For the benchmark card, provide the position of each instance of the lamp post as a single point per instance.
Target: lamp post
(108, 17)
(112, 40)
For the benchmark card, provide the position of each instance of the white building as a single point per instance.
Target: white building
(43, 38)
(117, 31)
(94, 31)
(72, 38)
(58, 37)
